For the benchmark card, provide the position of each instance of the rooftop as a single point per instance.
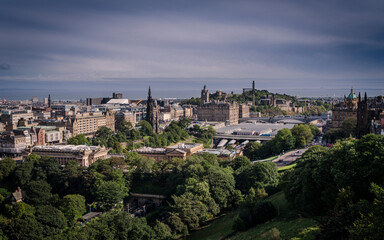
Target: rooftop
(185, 145)
(66, 148)
(254, 126)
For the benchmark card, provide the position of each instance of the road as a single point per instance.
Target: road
(289, 157)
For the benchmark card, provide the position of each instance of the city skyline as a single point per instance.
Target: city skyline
(305, 49)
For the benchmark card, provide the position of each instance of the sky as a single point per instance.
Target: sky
(76, 49)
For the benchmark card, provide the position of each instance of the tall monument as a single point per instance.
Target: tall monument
(253, 93)
(152, 113)
(204, 96)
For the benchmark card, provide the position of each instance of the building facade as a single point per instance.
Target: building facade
(82, 154)
(89, 123)
(344, 110)
(219, 112)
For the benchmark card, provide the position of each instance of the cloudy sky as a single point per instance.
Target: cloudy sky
(78, 48)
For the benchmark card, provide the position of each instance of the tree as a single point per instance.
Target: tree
(162, 231)
(78, 140)
(191, 211)
(73, 207)
(51, 218)
(24, 172)
(109, 193)
(240, 161)
(315, 183)
(22, 210)
(221, 183)
(349, 126)
(259, 175)
(371, 221)
(315, 130)
(284, 140)
(38, 192)
(7, 166)
(125, 128)
(251, 150)
(302, 134)
(145, 128)
(174, 221)
(24, 228)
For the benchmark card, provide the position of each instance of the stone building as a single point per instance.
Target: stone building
(160, 154)
(344, 110)
(84, 155)
(89, 123)
(217, 111)
(370, 115)
(132, 114)
(15, 142)
(10, 118)
(181, 150)
(188, 111)
(244, 111)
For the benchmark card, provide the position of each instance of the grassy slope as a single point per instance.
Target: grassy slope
(217, 229)
(282, 169)
(289, 224)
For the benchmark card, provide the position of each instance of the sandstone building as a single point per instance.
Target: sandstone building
(84, 155)
(344, 110)
(89, 123)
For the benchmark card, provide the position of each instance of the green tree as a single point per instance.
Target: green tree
(22, 210)
(38, 192)
(302, 134)
(73, 207)
(7, 166)
(24, 228)
(284, 140)
(145, 128)
(175, 222)
(240, 161)
(259, 175)
(109, 193)
(371, 221)
(349, 126)
(24, 172)
(52, 220)
(78, 140)
(162, 231)
(251, 150)
(192, 211)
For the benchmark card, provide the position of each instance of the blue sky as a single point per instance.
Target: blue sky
(83, 48)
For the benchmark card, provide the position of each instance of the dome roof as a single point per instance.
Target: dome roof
(352, 95)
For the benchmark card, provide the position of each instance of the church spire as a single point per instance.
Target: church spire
(149, 92)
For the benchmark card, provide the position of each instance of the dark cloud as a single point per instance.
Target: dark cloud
(5, 66)
(282, 43)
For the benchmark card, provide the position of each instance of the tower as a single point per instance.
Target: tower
(151, 116)
(49, 100)
(253, 93)
(204, 95)
(362, 124)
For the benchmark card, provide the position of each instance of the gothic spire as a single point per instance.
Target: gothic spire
(149, 92)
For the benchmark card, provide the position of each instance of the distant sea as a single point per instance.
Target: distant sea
(180, 88)
(77, 94)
